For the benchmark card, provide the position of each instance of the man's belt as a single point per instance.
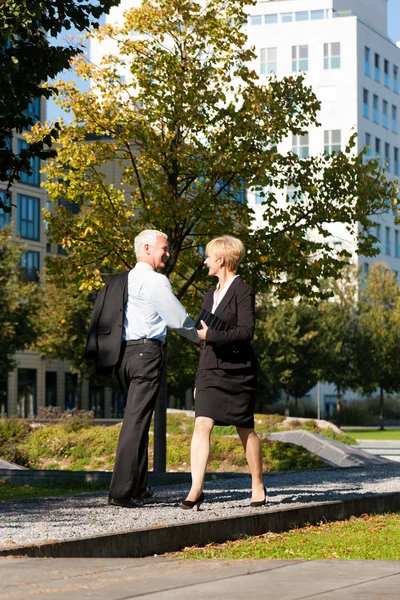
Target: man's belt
(144, 341)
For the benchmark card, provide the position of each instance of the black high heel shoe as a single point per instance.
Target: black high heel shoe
(189, 504)
(260, 502)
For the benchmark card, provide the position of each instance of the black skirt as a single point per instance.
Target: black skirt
(226, 396)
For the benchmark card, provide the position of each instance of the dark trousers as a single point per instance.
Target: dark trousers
(139, 375)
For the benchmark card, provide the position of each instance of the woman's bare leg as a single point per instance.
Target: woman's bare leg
(199, 453)
(252, 448)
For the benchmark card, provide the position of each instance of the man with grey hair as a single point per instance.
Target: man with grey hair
(126, 337)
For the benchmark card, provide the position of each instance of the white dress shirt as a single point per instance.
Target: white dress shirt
(152, 307)
(217, 299)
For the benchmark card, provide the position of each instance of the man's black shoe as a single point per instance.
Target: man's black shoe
(125, 502)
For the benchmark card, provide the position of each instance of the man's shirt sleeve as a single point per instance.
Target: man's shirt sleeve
(171, 310)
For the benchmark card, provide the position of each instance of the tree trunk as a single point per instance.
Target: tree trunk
(338, 406)
(160, 423)
(287, 409)
(381, 416)
(296, 406)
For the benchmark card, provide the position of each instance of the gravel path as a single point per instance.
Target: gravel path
(66, 517)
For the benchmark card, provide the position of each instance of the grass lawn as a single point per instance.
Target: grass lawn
(17, 492)
(374, 434)
(365, 538)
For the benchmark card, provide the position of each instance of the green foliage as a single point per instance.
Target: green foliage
(340, 336)
(379, 322)
(8, 491)
(287, 343)
(28, 60)
(365, 538)
(63, 320)
(93, 447)
(190, 129)
(19, 303)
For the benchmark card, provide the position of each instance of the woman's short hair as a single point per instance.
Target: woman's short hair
(230, 248)
(148, 236)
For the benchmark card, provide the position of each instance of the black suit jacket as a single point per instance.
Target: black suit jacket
(106, 325)
(231, 349)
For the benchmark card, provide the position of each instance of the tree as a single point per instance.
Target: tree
(193, 128)
(339, 340)
(63, 321)
(379, 314)
(19, 303)
(27, 60)
(287, 343)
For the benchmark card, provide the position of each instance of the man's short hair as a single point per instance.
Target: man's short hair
(148, 236)
(230, 248)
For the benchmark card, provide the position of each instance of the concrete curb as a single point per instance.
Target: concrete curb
(161, 539)
(37, 477)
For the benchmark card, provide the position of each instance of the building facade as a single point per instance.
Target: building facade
(343, 49)
(39, 381)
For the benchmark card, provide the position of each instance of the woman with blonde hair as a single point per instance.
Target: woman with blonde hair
(227, 375)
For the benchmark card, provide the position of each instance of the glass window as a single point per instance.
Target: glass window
(388, 245)
(385, 115)
(368, 144)
(28, 217)
(33, 111)
(386, 76)
(396, 244)
(394, 118)
(375, 106)
(377, 147)
(96, 400)
(301, 16)
(4, 216)
(26, 399)
(293, 194)
(299, 58)
(34, 178)
(377, 63)
(387, 156)
(396, 161)
(366, 104)
(286, 17)
(300, 145)
(395, 79)
(256, 20)
(317, 14)
(378, 236)
(30, 265)
(367, 64)
(51, 388)
(259, 197)
(332, 141)
(267, 61)
(71, 385)
(3, 396)
(332, 55)
(270, 19)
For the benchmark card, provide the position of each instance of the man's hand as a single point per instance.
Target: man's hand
(203, 331)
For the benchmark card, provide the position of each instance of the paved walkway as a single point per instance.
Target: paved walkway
(171, 579)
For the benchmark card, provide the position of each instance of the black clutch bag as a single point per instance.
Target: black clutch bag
(212, 321)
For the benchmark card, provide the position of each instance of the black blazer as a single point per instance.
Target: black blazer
(231, 349)
(106, 325)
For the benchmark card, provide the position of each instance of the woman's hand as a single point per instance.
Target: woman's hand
(203, 331)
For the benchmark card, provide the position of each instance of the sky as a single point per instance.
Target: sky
(54, 112)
